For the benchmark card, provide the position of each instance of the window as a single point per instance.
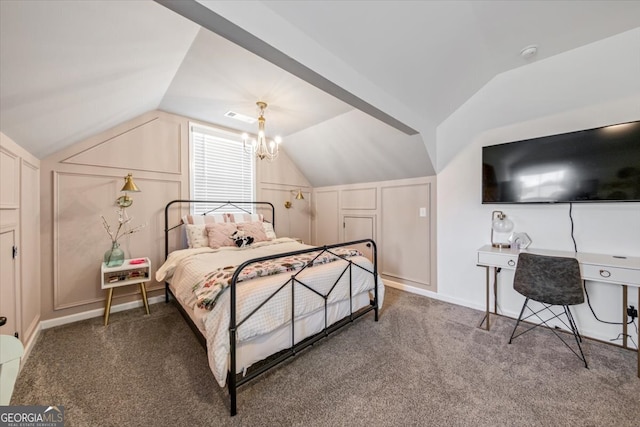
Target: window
(220, 168)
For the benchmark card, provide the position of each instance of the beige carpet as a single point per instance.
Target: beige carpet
(423, 363)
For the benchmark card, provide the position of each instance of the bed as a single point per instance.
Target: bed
(255, 306)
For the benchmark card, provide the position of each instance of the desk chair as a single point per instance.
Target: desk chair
(551, 281)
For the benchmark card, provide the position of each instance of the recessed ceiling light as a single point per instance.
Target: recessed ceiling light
(241, 117)
(529, 51)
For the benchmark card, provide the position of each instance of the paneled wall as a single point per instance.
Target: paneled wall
(81, 183)
(19, 240)
(399, 215)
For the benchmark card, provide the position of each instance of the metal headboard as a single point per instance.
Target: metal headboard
(241, 206)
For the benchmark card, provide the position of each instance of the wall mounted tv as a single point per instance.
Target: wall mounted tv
(594, 165)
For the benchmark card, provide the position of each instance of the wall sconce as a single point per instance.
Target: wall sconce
(128, 187)
(299, 196)
(500, 224)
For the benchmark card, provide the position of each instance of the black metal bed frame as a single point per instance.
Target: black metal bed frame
(233, 382)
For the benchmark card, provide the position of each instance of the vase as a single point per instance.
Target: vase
(114, 257)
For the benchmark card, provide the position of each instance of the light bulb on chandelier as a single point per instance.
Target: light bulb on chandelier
(261, 147)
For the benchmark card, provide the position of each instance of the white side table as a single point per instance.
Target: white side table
(124, 275)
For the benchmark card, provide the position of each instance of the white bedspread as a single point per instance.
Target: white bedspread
(184, 268)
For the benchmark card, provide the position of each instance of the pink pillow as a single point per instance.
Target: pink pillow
(253, 229)
(220, 234)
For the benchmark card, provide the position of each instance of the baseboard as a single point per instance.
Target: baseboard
(30, 344)
(431, 294)
(99, 312)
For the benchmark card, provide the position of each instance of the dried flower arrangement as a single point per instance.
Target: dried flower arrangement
(123, 226)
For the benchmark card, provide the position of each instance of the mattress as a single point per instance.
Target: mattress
(268, 329)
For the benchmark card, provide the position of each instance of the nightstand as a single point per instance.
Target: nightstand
(130, 272)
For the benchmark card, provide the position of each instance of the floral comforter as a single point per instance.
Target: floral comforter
(208, 290)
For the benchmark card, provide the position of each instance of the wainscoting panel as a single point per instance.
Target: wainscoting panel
(30, 247)
(359, 198)
(9, 176)
(406, 235)
(80, 239)
(327, 221)
(153, 146)
(292, 222)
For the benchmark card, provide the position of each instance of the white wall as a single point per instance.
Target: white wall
(588, 87)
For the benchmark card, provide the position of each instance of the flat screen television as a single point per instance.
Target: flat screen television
(593, 165)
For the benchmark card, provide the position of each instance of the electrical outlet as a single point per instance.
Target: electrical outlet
(632, 312)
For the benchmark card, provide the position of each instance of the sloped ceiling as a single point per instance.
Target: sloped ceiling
(71, 69)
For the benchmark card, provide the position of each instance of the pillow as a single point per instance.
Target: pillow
(245, 217)
(268, 230)
(219, 234)
(197, 236)
(204, 219)
(253, 229)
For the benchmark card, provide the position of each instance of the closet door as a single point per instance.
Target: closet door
(8, 282)
(357, 227)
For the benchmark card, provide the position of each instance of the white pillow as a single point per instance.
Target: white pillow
(204, 219)
(268, 230)
(245, 217)
(197, 236)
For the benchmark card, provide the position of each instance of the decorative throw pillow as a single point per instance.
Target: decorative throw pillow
(197, 236)
(268, 230)
(253, 229)
(220, 234)
(204, 219)
(241, 240)
(245, 217)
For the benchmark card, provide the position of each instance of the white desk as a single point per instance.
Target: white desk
(619, 270)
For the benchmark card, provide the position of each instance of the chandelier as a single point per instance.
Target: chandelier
(262, 147)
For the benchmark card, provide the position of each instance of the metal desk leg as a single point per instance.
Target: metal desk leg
(486, 315)
(143, 290)
(107, 307)
(496, 270)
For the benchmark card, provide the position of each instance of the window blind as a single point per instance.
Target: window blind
(220, 168)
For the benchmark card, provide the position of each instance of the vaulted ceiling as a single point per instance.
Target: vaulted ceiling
(356, 88)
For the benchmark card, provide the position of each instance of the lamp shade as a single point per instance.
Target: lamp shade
(299, 196)
(502, 224)
(129, 185)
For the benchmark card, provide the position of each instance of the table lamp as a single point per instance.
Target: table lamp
(500, 224)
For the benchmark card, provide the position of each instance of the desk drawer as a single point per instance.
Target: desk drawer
(498, 260)
(599, 273)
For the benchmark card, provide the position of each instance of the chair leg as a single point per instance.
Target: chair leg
(572, 322)
(519, 318)
(576, 334)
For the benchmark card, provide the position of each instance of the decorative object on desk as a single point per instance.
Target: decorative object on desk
(114, 257)
(128, 187)
(519, 240)
(500, 224)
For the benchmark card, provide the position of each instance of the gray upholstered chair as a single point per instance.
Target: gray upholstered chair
(551, 281)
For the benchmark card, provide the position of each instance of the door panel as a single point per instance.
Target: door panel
(8, 283)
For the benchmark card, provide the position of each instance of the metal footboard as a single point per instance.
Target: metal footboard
(232, 381)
